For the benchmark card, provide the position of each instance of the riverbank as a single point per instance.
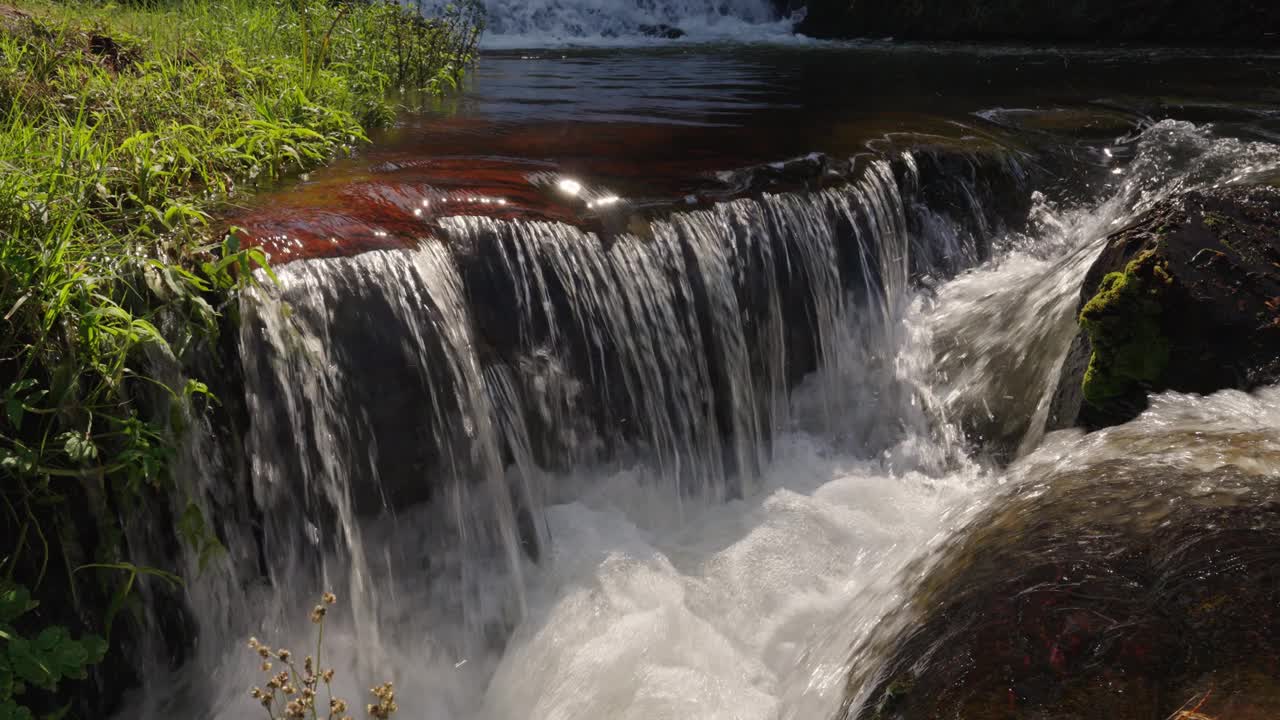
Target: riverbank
(126, 131)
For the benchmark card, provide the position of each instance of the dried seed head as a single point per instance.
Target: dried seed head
(386, 704)
(329, 598)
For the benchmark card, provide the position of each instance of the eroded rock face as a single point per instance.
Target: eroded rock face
(1124, 590)
(1185, 22)
(1188, 299)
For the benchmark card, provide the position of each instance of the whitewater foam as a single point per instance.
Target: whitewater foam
(522, 24)
(633, 619)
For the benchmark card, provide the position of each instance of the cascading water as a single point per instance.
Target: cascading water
(990, 353)
(516, 23)
(559, 476)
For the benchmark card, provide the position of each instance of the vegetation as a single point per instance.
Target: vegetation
(124, 132)
(293, 695)
(42, 661)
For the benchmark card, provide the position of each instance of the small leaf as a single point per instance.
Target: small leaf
(28, 665)
(96, 646)
(13, 400)
(172, 213)
(11, 710)
(192, 525)
(195, 387)
(50, 638)
(13, 408)
(6, 677)
(65, 658)
(15, 602)
(78, 447)
(14, 463)
(212, 550)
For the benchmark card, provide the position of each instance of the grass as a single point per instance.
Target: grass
(124, 130)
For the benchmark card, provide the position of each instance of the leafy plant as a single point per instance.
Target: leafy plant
(38, 662)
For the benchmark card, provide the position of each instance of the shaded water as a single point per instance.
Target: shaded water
(599, 395)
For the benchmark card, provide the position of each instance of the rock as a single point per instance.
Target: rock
(1189, 22)
(664, 31)
(1187, 299)
(1121, 590)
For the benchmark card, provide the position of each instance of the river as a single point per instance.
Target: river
(643, 381)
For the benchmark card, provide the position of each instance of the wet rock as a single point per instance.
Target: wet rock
(1122, 590)
(1187, 299)
(1179, 22)
(666, 32)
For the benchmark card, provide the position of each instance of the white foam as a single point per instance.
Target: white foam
(637, 619)
(523, 24)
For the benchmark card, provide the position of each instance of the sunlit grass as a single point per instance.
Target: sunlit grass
(124, 131)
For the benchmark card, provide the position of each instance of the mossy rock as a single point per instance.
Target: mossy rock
(1187, 299)
(1123, 321)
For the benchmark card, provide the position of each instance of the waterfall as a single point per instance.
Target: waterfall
(411, 415)
(534, 459)
(537, 23)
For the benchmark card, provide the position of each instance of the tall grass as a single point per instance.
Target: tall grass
(123, 131)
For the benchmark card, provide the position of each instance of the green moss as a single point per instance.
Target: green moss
(893, 697)
(1213, 219)
(1123, 321)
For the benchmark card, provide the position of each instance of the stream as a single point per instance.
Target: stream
(645, 380)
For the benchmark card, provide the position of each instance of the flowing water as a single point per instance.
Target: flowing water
(595, 22)
(638, 384)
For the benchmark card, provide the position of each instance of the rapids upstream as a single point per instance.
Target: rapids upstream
(645, 383)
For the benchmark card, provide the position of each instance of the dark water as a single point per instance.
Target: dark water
(654, 126)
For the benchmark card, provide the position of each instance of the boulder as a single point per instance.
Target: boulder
(1187, 299)
(1178, 22)
(1123, 589)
